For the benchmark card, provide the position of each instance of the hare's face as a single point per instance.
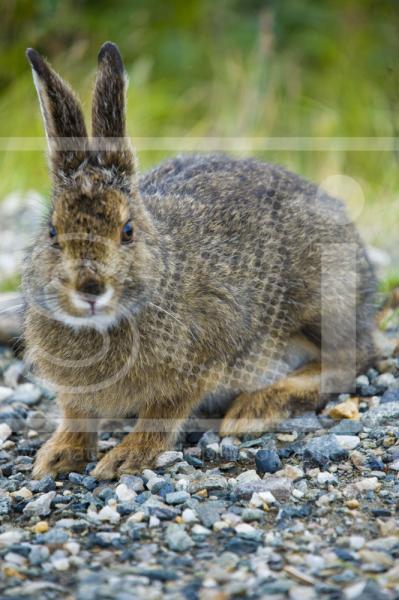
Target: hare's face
(92, 263)
(93, 259)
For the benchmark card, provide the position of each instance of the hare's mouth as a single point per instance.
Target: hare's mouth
(85, 310)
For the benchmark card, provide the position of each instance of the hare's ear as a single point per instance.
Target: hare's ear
(62, 115)
(109, 112)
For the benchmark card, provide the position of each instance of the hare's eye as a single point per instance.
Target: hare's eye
(127, 233)
(52, 231)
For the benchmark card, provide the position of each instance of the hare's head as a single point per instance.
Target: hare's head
(94, 258)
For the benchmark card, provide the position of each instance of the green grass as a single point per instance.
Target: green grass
(226, 68)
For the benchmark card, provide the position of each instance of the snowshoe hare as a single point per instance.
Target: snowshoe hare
(207, 277)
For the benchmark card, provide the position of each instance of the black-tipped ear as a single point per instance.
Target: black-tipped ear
(109, 112)
(62, 115)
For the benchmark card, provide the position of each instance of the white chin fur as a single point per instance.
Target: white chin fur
(101, 301)
(98, 322)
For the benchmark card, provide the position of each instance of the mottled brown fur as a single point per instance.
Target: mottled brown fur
(221, 280)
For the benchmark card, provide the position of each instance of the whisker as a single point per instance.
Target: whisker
(10, 308)
(168, 313)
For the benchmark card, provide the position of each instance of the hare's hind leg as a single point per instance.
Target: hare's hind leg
(262, 410)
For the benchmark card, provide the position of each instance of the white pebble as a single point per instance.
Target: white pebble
(124, 494)
(154, 521)
(5, 432)
(72, 547)
(61, 564)
(189, 516)
(200, 530)
(348, 442)
(367, 484)
(4, 393)
(10, 537)
(247, 477)
(168, 458)
(137, 517)
(260, 498)
(325, 477)
(109, 514)
(356, 542)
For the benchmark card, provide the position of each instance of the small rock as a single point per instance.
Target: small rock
(124, 494)
(10, 537)
(280, 487)
(166, 459)
(109, 513)
(384, 414)
(262, 498)
(346, 410)
(323, 450)
(40, 506)
(189, 516)
(267, 461)
(177, 539)
(306, 422)
(5, 392)
(41, 527)
(5, 432)
(348, 442)
(23, 492)
(248, 532)
(177, 497)
(27, 393)
(247, 477)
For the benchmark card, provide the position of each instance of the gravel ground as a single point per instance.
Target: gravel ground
(309, 511)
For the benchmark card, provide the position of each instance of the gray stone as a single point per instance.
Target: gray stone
(177, 539)
(27, 393)
(323, 450)
(384, 414)
(280, 487)
(209, 512)
(40, 506)
(304, 423)
(177, 497)
(207, 482)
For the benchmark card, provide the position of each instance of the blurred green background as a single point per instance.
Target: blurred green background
(224, 68)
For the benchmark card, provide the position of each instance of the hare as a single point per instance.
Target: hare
(207, 279)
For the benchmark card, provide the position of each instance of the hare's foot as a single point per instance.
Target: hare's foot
(260, 411)
(64, 452)
(136, 452)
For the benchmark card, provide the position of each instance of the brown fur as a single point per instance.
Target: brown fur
(222, 278)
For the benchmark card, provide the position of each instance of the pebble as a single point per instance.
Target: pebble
(40, 506)
(10, 537)
(177, 497)
(5, 392)
(384, 414)
(348, 442)
(247, 477)
(5, 432)
(323, 450)
(41, 527)
(349, 409)
(267, 461)
(248, 532)
(27, 393)
(177, 539)
(166, 459)
(109, 513)
(280, 487)
(124, 494)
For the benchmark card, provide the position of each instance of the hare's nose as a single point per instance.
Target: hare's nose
(90, 288)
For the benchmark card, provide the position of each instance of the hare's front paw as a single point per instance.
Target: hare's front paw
(61, 454)
(124, 459)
